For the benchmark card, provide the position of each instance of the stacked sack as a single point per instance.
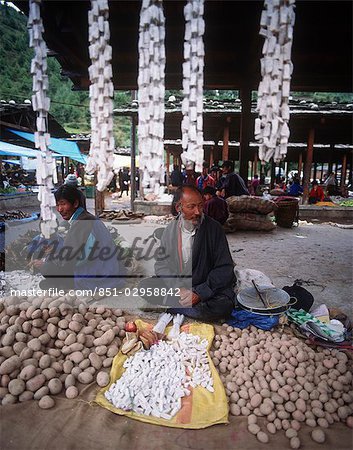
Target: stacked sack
(249, 213)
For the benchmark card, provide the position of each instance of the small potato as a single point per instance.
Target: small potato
(55, 386)
(25, 396)
(71, 392)
(28, 372)
(318, 436)
(294, 442)
(102, 379)
(252, 419)
(35, 383)
(70, 380)
(291, 433)
(95, 360)
(253, 428)
(41, 393)
(262, 437)
(34, 344)
(10, 364)
(46, 402)
(8, 399)
(271, 428)
(234, 409)
(85, 377)
(16, 387)
(44, 362)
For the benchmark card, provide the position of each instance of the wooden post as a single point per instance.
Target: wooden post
(286, 165)
(300, 165)
(344, 170)
(245, 132)
(255, 163)
(99, 203)
(225, 150)
(322, 172)
(307, 166)
(133, 163)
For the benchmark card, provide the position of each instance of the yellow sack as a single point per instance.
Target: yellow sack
(200, 409)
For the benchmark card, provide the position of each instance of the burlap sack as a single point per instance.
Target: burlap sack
(246, 203)
(249, 221)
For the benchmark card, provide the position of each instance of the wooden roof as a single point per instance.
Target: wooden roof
(322, 47)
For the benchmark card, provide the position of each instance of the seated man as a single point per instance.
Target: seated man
(88, 257)
(197, 260)
(316, 194)
(215, 207)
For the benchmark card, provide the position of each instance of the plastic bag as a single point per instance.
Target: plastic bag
(243, 319)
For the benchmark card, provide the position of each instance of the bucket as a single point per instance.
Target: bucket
(287, 211)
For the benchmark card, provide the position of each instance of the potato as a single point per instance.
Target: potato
(8, 399)
(49, 373)
(291, 433)
(10, 364)
(44, 362)
(76, 357)
(46, 402)
(70, 380)
(234, 409)
(25, 396)
(262, 437)
(253, 428)
(85, 377)
(44, 390)
(256, 400)
(294, 442)
(35, 383)
(71, 392)
(95, 360)
(27, 372)
(107, 362)
(105, 339)
(102, 350)
(34, 344)
(16, 387)
(318, 436)
(55, 386)
(271, 428)
(102, 379)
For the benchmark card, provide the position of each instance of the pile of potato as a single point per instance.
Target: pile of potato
(49, 345)
(278, 377)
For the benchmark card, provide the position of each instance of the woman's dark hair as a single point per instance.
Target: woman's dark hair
(209, 190)
(69, 193)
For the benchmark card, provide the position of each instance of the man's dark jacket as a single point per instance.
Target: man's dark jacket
(212, 265)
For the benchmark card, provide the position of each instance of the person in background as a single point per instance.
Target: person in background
(316, 194)
(189, 177)
(331, 184)
(205, 179)
(71, 180)
(233, 184)
(215, 207)
(295, 189)
(254, 184)
(176, 177)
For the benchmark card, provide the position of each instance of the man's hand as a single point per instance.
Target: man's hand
(188, 298)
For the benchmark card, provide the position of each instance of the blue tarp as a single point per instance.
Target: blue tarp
(7, 149)
(61, 146)
(12, 161)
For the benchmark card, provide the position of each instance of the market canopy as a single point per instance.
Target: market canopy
(7, 149)
(61, 146)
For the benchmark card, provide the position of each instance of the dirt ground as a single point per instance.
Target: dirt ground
(318, 255)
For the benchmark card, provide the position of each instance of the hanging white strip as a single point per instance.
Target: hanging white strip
(46, 170)
(271, 127)
(101, 92)
(192, 107)
(151, 89)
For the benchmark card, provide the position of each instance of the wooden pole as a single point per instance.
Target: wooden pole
(133, 163)
(322, 172)
(245, 132)
(344, 170)
(300, 165)
(307, 166)
(225, 150)
(256, 160)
